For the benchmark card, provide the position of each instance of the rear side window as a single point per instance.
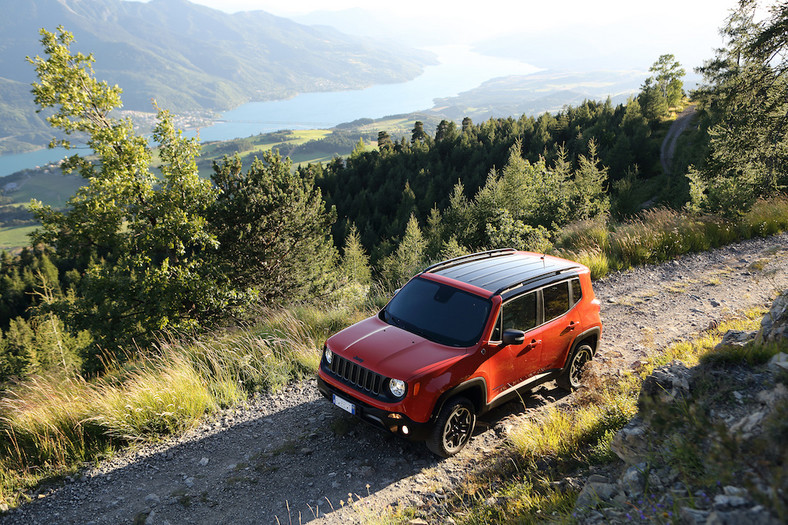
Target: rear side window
(577, 291)
(556, 300)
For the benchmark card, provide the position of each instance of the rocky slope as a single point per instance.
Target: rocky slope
(291, 457)
(729, 416)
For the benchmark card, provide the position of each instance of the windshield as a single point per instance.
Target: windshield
(438, 312)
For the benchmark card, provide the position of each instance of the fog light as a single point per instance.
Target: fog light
(395, 416)
(405, 429)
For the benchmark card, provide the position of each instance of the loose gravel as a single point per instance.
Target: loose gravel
(292, 457)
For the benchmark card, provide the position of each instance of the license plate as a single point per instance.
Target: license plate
(347, 406)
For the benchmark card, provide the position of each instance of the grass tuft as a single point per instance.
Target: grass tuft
(661, 234)
(49, 425)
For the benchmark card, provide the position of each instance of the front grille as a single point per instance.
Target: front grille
(356, 375)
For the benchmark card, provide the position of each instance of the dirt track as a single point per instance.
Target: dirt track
(668, 148)
(292, 457)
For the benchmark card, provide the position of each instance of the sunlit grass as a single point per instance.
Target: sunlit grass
(662, 234)
(49, 426)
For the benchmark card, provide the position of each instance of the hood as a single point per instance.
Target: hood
(389, 350)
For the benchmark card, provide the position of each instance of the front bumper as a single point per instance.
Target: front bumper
(393, 422)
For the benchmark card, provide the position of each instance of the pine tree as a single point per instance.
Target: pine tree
(272, 226)
(408, 259)
(355, 263)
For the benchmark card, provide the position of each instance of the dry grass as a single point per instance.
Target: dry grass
(49, 426)
(661, 234)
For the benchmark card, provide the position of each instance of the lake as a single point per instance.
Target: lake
(460, 69)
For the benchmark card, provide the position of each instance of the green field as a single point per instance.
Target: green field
(51, 187)
(15, 238)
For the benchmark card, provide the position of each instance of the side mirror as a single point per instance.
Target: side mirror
(513, 337)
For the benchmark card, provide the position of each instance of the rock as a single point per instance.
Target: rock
(631, 443)
(150, 519)
(593, 493)
(779, 362)
(688, 516)
(754, 516)
(665, 384)
(774, 324)
(152, 500)
(747, 425)
(189, 481)
(204, 462)
(736, 338)
(633, 480)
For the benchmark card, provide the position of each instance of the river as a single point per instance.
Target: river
(460, 69)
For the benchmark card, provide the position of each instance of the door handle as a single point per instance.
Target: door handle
(572, 325)
(533, 343)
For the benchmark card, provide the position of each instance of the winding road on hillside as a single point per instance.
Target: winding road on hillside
(292, 457)
(668, 150)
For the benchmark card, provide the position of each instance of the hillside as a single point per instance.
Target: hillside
(291, 456)
(187, 57)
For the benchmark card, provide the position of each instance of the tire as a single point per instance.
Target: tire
(570, 378)
(453, 428)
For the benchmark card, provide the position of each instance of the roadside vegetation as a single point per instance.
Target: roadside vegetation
(115, 319)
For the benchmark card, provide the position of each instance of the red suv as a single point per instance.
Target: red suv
(461, 337)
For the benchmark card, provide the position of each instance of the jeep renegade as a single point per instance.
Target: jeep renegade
(461, 337)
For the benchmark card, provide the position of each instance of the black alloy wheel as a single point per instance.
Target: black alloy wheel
(571, 378)
(454, 428)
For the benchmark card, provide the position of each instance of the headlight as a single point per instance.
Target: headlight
(329, 355)
(397, 387)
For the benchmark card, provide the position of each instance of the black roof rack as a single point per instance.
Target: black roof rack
(504, 289)
(468, 258)
(500, 271)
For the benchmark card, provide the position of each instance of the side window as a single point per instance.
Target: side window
(556, 300)
(519, 313)
(577, 292)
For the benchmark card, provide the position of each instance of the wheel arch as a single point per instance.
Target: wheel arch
(475, 390)
(590, 337)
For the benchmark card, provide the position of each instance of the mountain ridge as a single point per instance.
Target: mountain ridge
(190, 57)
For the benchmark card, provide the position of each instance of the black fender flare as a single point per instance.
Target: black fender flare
(594, 332)
(475, 383)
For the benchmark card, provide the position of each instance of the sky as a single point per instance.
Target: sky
(686, 28)
(490, 17)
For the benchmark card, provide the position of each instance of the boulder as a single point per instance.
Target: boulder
(736, 338)
(774, 324)
(665, 384)
(593, 493)
(631, 443)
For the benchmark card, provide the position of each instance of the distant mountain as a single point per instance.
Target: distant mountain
(187, 56)
(546, 91)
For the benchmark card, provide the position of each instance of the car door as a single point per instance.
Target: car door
(561, 322)
(513, 364)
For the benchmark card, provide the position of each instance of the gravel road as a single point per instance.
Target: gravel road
(668, 148)
(291, 457)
